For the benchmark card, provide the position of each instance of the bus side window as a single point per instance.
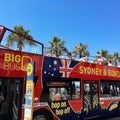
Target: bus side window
(110, 88)
(54, 94)
(105, 89)
(62, 90)
(87, 89)
(75, 90)
(114, 89)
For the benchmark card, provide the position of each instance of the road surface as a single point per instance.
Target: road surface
(115, 118)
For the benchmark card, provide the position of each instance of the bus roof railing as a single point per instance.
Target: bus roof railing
(28, 38)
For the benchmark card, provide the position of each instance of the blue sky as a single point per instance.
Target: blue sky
(92, 22)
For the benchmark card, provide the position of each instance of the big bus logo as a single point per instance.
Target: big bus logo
(16, 62)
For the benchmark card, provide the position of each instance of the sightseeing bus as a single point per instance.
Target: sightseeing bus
(64, 89)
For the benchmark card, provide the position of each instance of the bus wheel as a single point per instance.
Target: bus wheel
(42, 115)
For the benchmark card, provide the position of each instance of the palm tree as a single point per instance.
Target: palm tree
(116, 54)
(81, 50)
(104, 53)
(57, 47)
(113, 55)
(13, 38)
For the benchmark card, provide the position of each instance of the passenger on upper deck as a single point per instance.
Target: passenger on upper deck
(115, 62)
(70, 56)
(83, 59)
(110, 63)
(99, 58)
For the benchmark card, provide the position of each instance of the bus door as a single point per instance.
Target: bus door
(16, 102)
(4, 102)
(90, 99)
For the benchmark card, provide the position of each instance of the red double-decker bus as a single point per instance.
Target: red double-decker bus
(64, 89)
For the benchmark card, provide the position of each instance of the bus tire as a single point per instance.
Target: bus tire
(42, 115)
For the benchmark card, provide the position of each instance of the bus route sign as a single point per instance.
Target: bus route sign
(29, 92)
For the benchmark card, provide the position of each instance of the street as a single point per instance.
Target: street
(115, 118)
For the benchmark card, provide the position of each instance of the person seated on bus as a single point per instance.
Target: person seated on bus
(115, 61)
(83, 59)
(70, 56)
(110, 63)
(63, 96)
(118, 91)
(106, 90)
(57, 96)
(105, 61)
(111, 90)
(99, 59)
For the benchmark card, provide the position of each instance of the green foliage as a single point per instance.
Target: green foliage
(57, 47)
(13, 38)
(81, 50)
